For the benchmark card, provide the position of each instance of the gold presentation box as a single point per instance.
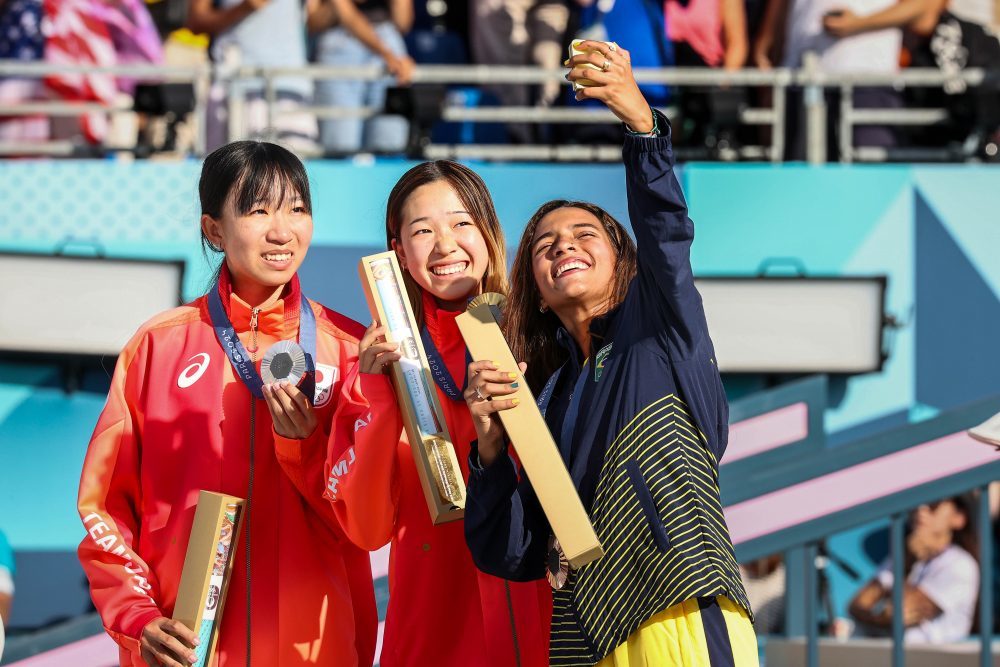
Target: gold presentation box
(575, 50)
(535, 447)
(437, 465)
(207, 569)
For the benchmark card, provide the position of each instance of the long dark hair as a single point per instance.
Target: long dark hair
(253, 171)
(531, 332)
(474, 194)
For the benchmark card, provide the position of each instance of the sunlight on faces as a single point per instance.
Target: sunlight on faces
(573, 260)
(440, 245)
(265, 246)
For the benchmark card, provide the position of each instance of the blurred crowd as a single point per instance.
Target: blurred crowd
(834, 36)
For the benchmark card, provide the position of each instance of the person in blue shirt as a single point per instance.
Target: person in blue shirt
(636, 405)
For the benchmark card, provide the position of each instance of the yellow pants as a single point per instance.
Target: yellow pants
(690, 634)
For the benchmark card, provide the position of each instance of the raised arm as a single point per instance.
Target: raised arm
(657, 209)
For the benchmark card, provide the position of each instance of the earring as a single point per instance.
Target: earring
(542, 308)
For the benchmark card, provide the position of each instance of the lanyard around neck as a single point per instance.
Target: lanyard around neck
(240, 358)
(439, 370)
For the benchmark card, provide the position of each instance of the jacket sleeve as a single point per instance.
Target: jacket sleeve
(362, 468)
(302, 462)
(122, 585)
(505, 527)
(664, 233)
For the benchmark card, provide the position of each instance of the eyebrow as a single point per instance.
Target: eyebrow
(576, 226)
(427, 217)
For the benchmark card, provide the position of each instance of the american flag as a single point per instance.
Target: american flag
(76, 35)
(100, 33)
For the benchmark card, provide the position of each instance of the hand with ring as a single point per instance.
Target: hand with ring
(612, 82)
(485, 389)
(374, 353)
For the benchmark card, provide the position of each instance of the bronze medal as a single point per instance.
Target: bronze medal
(557, 566)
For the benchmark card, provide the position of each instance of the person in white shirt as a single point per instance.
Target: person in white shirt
(807, 29)
(942, 578)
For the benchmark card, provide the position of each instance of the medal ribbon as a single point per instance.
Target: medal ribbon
(241, 360)
(439, 371)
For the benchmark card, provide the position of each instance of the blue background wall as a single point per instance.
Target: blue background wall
(935, 231)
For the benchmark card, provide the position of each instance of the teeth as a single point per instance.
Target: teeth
(278, 257)
(575, 264)
(449, 269)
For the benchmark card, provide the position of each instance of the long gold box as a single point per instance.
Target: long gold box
(535, 447)
(208, 565)
(437, 464)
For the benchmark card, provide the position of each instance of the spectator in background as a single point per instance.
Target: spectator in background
(640, 24)
(343, 40)
(764, 580)
(708, 33)
(951, 35)
(520, 32)
(874, 52)
(6, 579)
(258, 33)
(942, 578)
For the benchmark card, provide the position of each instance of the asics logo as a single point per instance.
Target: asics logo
(193, 372)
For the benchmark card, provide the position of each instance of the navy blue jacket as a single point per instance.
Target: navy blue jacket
(642, 437)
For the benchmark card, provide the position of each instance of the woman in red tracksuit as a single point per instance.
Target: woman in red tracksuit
(442, 611)
(187, 413)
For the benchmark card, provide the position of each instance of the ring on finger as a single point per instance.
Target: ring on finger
(606, 65)
(479, 395)
(612, 46)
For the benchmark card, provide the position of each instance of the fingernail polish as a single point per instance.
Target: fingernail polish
(512, 376)
(514, 385)
(515, 402)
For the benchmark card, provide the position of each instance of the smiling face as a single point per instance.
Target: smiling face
(265, 245)
(440, 245)
(573, 261)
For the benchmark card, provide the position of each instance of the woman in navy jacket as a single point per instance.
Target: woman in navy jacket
(636, 405)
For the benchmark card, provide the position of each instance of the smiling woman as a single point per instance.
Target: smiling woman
(186, 413)
(441, 222)
(635, 403)
(598, 245)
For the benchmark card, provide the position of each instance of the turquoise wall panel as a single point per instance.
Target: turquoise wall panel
(833, 220)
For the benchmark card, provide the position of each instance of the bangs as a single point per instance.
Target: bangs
(270, 177)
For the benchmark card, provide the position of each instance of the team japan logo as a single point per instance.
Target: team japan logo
(326, 377)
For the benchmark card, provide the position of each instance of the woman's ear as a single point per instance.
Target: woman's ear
(212, 229)
(400, 253)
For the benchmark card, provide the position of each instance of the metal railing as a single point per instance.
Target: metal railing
(812, 81)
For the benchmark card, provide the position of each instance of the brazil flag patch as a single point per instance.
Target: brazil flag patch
(599, 360)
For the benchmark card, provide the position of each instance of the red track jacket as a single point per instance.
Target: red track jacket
(177, 421)
(442, 610)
